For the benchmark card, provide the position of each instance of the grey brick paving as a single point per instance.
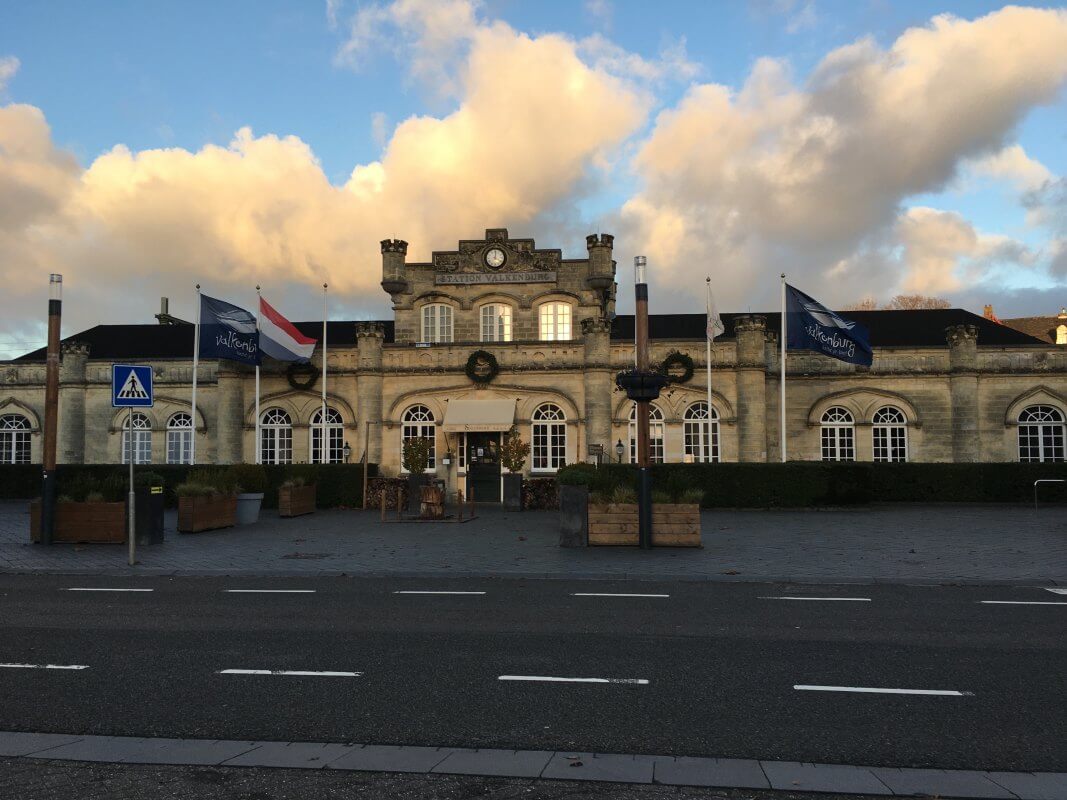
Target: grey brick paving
(724, 772)
(829, 778)
(944, 783)
(390, 758)
(22, 744)
(600, 767)
(1032, 785)
(967, 544)
(511, 763)
(296, 755)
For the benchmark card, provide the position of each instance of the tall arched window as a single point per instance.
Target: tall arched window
(1041, 434)
(549, 437)
(655, 434)
(275, 437)
(890, 434)
(179, 438)
(701, 434)
(436, 323)
(335, 437)
(418, 423)
(142, 439)
(554, 322)
(838, 435)
(14, 439)
(496, 323)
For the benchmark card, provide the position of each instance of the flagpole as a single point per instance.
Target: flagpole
(196, 367)
(255, 445)
(707, 335)
(322, 442)
(781, 401)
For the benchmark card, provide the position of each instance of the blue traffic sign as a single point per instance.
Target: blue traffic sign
(131, 386)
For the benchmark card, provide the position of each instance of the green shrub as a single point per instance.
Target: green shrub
(194, 489)
(248, 478)
(416, 454)
(145, 479)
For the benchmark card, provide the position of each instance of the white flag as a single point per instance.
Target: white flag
(715, 326)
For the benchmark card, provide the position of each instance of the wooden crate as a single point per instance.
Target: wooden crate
(432, 503)
(294, 501)
(83, 522)
(673, 525)
(207, 513)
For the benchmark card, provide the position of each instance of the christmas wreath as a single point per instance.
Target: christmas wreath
(302, 375)
(678, 361)
(482, 367)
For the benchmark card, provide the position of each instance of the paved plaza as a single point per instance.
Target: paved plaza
(962, 544)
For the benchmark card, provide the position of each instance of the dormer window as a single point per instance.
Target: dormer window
(436, 323)
(1061, 334)
(496, 323)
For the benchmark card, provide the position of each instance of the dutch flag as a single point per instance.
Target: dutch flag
(279, 338)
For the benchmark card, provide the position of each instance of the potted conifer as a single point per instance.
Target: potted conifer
(416, 459)
(513, 453)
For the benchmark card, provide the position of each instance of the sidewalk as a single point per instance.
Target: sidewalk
(965, 544)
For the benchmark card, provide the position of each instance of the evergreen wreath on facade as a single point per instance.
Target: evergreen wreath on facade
(482, 367)
(302, 375)
(678, 360)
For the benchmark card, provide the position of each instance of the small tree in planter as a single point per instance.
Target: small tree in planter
(297, 494)
(87, 510)
(416, 458)
(513, 453)
(206, 501)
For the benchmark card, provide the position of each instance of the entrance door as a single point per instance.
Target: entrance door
(483, 466)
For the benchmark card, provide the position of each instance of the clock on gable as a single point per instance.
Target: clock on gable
(495, 258)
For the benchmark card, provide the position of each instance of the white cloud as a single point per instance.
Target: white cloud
(805, 19)
(9, 65)
(1013, 165)
(600, 11)
(379, 122)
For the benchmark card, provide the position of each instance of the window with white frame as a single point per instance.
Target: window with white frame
(335, 437)
(496, 323)
(555, 322)
(890, 434)
(14, 439)
(1041, 434)
(838, 435)
(549, 437)
(701, 434)
(436, 323)
(180, 439)
(418, 423)
(275, 437)
(142, 439)
(655, 434)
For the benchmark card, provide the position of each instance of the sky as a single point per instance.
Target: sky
(866, 148)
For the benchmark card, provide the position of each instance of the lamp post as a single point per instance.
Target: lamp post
(51, 409)
(620, 448)
(347, 450)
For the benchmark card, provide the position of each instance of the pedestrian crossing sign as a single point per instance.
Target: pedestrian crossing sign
(131, 386)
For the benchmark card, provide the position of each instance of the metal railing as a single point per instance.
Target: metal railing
(1045, 480)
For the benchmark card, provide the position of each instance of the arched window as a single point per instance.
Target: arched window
(555, 322)
(179, 439)
(701, 434)
(838, 435)
(890, 434)
(142, 439)
(436, 323)
(655, 434)
(496, 323)
(1041, 434)
(275, 437)
(335, 437)
(14, 439)
(418, 423)
(549, 437)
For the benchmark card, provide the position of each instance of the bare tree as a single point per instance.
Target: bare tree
(866, 304)
(905, 302)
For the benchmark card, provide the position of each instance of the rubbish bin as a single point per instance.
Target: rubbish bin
(148, 503)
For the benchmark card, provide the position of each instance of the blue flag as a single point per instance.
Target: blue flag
(812, 326)
(227, 331)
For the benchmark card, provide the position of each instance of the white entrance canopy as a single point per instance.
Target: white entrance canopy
(478, 416)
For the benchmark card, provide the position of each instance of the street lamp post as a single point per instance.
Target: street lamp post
(620, 448)
(51, 409)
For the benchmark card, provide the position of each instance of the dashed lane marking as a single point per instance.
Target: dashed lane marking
(433, 592)
(1022, 603)
(292, 672)
(101, 589)
(614, 594)
(270, 591)
(44, 666)
(550, 679)
(1056, 591)
(873, 690)
(825, 599)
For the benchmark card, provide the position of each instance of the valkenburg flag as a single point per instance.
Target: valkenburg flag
(812, 326)
(279, 338)
(227, 331)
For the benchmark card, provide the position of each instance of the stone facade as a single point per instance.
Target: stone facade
(960, 398)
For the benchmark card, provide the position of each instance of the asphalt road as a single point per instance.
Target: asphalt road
(711, 669)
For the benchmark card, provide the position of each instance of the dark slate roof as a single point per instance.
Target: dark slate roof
(149, 342)
(918, 328)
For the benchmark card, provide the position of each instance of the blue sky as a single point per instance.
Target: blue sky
(153, 76)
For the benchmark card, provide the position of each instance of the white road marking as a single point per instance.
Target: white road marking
(1022, 603)
(1056, 591)
(298, 672)
(428, 592)
(44, 666)
(548, 679)
(869, 690)
(271, 591)
(614, 594)
(832, 599)
(102, 589)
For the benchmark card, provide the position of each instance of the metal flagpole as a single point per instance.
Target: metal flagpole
(323, 448)
(259, 310)
(196, 366)
(781, 401)
(707, 335)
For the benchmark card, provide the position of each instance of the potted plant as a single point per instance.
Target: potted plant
(251, 483)
(87, 510)
(675, 518)
(416, 457)
(206, 501)
(296, 495)
(513, 453)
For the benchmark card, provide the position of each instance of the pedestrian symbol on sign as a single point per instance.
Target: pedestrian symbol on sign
(131, 386)
(133, 390)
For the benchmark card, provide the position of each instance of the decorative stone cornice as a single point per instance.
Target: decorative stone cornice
(394, 246)
(957, 335)
(366, 330)
(600, 240)
(750, 323)
(595, 325)
(75, 349)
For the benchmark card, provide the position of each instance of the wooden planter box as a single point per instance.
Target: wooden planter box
(83, 522)
(673, 525)
(206, 513)
(293, 501)
(432, 502)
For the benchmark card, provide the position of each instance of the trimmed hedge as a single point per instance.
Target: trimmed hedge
(804, 484)
(338, 484)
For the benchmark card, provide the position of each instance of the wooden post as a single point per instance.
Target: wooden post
(383, 498)
(51, 410)
(366, 447)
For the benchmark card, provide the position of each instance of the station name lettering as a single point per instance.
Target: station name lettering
(494, 277)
